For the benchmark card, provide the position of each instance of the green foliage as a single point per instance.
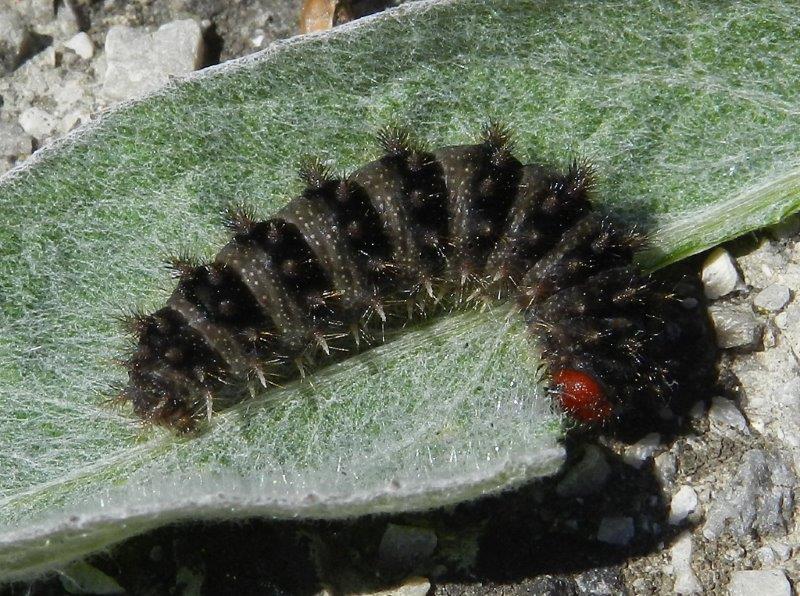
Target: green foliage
(687, 109)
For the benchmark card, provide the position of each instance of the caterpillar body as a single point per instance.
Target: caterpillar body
(403, 235)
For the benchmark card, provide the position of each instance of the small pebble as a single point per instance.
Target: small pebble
(587, 476)
(403, 548)
(616, 530)
(765, 582)
(413, 586)
(766, 556)
(683, 503)
(736, 328)
(724, 414)
(686, 581)
(759, 266)
(638, 453)
(37, 123)
(782, 550)
(82, 45)
(666, 468)
(13, 140)
(698, 410)
(719, 274)
(138, 61)
(772, 298)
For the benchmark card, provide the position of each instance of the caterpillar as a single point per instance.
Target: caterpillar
(406, 234)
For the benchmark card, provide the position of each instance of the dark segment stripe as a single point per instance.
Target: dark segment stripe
(463, 223)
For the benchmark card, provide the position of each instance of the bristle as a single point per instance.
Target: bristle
(239, 218)
(395, 141)
(579, 179)
(497, 138)
(496, 135)
(135, 322)
(182, 265)
(314, 173)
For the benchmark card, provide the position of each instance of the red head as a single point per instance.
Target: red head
(581, 396)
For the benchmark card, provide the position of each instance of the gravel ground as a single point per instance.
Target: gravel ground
(703, 507)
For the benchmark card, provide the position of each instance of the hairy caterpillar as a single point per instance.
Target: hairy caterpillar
(404, 234)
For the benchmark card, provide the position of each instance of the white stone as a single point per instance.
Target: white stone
(139, 61)
(686, 581)
(413, 586)
(36, 122)
(765, 582)
(82, 45)
(638, 453)
(616, 530)
(683, 503)
(719, 274)
(724, 414)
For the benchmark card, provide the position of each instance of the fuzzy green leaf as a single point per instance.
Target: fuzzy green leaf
(687, 109)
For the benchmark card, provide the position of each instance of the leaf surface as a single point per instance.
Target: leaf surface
(687, 109)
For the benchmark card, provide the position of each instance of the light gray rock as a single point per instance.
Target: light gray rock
(765, 582)
(683, 503)
(587, 476)
(766, 556)
(81, 44)
(666, 468)
(138, 61)
(761, 265)
(686, 581)
(68, 94)
(403, 548)
(719, 274)
(788, 321)
(782, 550)
(37, 123)
(635, 455)
(759, 498)
(616, 530)
(736, 327)
(724, 415)
(14, 142)
(772, 298)
(790, 276)
(413, 586)
(37, 12)
(770, 382)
